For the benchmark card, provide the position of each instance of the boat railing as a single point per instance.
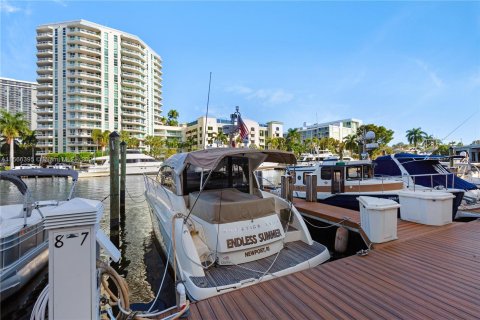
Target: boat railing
(17, 245)
(152, 184)
(412, 178)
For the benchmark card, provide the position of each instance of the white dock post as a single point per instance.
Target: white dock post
(72, 236)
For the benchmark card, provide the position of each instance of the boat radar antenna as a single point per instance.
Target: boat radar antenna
(232, 129)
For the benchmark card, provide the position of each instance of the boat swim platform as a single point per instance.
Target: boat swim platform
(433, 275)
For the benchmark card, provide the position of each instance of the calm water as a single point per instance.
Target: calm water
(142, 263)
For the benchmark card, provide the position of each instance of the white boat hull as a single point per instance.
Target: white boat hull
(131, 170)
(162, 225)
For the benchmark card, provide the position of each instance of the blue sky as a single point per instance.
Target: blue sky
(397, 64)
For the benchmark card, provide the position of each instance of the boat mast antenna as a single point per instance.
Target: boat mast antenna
(206, 114)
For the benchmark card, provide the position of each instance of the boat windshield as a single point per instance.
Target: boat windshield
(231, 172)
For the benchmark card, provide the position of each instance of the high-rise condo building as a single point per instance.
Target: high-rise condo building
(91, 76)
(19, 96)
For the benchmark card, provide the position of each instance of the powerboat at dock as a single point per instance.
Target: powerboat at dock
(341, 183)
(137, 163)
(223, 232)
(23, 240)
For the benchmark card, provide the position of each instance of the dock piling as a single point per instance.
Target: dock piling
(287, 187)
(123, 173)
(114, 145)
(311, 184)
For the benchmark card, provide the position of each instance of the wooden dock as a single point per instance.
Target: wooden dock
(429, 273)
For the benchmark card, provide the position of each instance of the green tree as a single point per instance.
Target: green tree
(156, 145)
(442, 150)
(382, 135)
(415, 136)
(96, 136)
(222, 138)
(351, 143)
(12, 127)
(133, 143)
(29, 140)
(172, 119)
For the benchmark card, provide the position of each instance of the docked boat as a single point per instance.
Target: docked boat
(23, 240)
(137, 163)
(223, 231)
(425, 172)
(340, 183)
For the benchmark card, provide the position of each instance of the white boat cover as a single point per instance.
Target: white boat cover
(230, 205)
(208, 159)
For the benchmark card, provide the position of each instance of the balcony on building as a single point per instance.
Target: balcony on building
(84, 49)
(45, 70)
(44, 94)
(134, 99)
(81, 99)
(133, 106)
(44, 52)
(81, 30)
(132, 83)
(44, 78)
(43, 110)
(85, 108)
(44, 35)
(44, 44)
(44, 61)
(84, 41)
(85, 92)
(132, 91)
(89, 84)
(129, 68)
(84, 75)
(85, 58)
(133, 114)
(136, 54)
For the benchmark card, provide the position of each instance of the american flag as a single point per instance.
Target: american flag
(243, 128)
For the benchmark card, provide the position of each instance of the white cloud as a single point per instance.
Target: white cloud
(267, 96)
(63, 3)
(7, 7)
(431, 74)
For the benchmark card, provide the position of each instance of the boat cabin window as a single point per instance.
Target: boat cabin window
(326, 174)
(354, 173)
(167, 178)
(231, 172)
(358, 172)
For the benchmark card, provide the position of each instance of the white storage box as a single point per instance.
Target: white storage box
(426, 207)
(378, 218)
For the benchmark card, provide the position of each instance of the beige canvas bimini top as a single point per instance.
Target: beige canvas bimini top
(208, 159)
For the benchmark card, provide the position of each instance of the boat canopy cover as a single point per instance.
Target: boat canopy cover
(42, 173)
(418, 165)
(17, 181)
(208, 159)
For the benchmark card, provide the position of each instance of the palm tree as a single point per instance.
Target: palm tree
(223, 138)
(172, 117)
(133, 143)
(96, 136)
(351, 143)
(104, 141)
(415, 136)
(11, 127)
(29, 140)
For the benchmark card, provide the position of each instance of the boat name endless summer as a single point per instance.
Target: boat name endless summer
(252, 239)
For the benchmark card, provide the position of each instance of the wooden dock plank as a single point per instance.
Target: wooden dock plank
(432, 274)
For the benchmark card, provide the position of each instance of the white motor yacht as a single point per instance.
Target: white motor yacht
(137, 163)
(222, 231)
